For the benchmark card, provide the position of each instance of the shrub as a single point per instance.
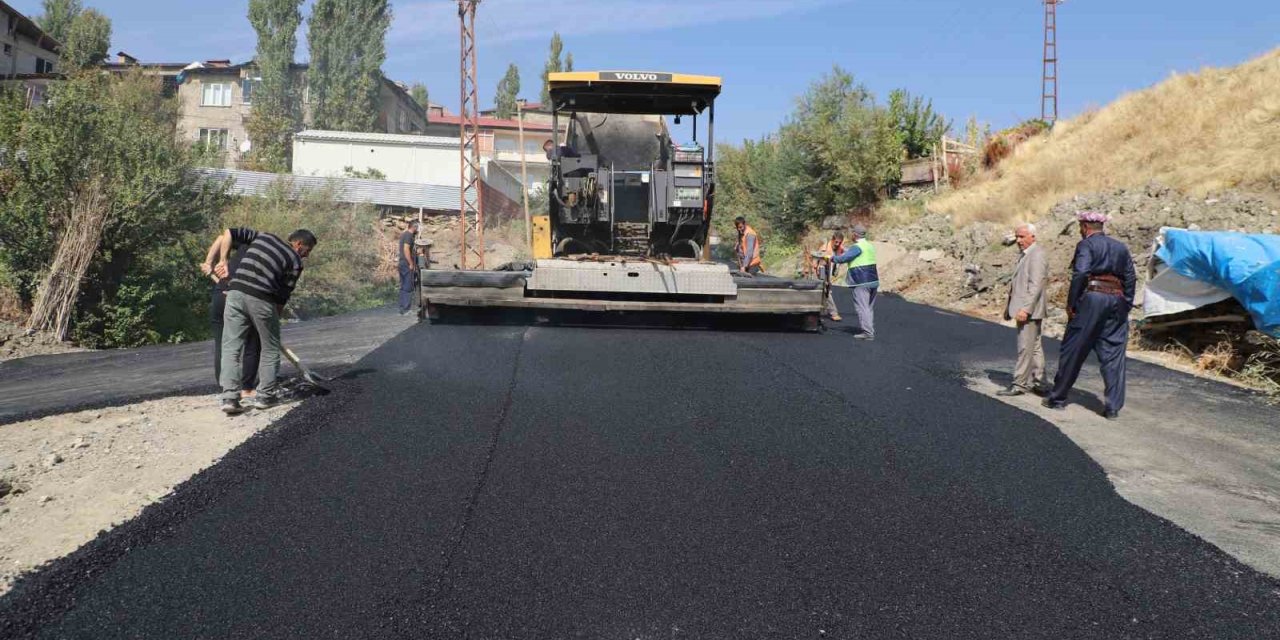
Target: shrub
(342, 273)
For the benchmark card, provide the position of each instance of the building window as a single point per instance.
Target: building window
(8, 49)
(216, 94)
(404, 121)
(247, 86)
(43, 66)
(506, 144)
(214, 139)
(533, 147)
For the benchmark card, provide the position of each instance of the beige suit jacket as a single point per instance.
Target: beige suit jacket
(1027, 289)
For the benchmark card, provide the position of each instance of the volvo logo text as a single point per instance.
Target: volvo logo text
(641, 77)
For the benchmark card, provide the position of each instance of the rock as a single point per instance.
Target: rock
(52, 460)
(931, 255)
(6, 487)
(44, 499)
(80, 443)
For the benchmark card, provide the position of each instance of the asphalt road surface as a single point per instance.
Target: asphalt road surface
(549, 482)
(43, 385)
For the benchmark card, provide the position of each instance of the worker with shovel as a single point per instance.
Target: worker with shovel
(258, 292)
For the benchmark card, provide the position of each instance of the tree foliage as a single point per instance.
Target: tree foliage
(111, 142)
(919, 126)
(837, 152)
(348, 47)
(88, 40)
(275, 112)
(57, 17)
(553, 65)
(508, 93)
(419, 94)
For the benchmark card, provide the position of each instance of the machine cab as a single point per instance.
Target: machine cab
(620, 185)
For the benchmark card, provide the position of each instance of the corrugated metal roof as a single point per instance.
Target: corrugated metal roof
(377, 138)
(349, 190)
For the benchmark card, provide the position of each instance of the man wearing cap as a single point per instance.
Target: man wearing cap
(863, 279)
(1103, 285)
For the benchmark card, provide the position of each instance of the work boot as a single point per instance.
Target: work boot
(1041, 389)
(835, 317)
(863, 336)
(231, 406)
(1012, 392)
(263, 401)
(1111, 415)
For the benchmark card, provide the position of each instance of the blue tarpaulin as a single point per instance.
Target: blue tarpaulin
(1246, 265)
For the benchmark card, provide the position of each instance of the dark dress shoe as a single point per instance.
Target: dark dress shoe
(1041, 390)
(1056, 406)
(1111, 415)
(1011, 392)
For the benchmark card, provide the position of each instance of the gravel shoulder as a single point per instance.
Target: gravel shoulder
(74, 475)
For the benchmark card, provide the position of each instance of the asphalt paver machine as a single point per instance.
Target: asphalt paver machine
(628, 228)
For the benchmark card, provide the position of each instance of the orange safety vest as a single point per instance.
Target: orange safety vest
(754, 259)
(830, 251)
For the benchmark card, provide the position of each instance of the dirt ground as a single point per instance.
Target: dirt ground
(14, 344)
(64, 478)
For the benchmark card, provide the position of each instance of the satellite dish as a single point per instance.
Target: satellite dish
(245, 146)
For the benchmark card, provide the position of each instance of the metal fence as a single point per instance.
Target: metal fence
(350, 190)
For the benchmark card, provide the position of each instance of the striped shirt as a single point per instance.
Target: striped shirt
(270, 267)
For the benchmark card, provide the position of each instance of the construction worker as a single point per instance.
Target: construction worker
(221, 273)
(408, 274)
(1103, 285)
(258, 292)
(825, 271)
(748, 247)
(863, 279)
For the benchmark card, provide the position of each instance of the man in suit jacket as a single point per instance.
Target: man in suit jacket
(1027, 306)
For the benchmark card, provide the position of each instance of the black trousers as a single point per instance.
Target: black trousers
(1101, 325)
(252, 344)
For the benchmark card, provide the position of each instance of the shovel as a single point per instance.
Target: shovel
(307, 374)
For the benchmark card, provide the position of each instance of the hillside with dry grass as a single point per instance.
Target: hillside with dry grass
(1198, 133)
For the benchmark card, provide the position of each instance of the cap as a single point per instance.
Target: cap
(1092, 216)
(860, 229)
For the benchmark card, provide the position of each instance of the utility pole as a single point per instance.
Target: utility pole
(471, 209)
(524, 178)
(1049, 79)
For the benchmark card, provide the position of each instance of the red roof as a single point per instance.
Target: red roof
(489, 123)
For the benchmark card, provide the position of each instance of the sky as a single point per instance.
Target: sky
(979, 58)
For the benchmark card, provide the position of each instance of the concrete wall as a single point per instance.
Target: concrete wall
(421, 163)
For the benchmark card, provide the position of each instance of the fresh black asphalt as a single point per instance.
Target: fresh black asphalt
(44, 385)
(561, 482)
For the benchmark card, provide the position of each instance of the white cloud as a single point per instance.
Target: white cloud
(500, 21)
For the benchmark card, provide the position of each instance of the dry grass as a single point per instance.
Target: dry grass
(1198, 133)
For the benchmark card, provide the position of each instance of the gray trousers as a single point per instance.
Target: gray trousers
(242, 312)
(864, 308)
(1029, 371)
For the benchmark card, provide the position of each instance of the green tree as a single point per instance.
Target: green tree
(101, 212)
(836, 153)
(508, 93)
(554, 65)
(919, 126)
(568, 62)
(419, 94)
(88, 40)
(275, 113)
(57, 17)
(348, 47)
